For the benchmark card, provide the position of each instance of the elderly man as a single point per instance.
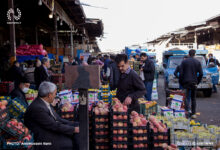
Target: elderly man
(51, 131)
(41, 73)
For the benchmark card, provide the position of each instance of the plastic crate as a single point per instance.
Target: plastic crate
(6, 88)
(4, 117)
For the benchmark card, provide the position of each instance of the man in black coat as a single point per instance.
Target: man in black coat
(21, 90)
(148, 68)
(47, 127)
(15, 73)
(130, 86)
(191, 75)
(41, 73)
(114, 73)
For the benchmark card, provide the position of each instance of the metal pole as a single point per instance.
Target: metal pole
(83, 119)
(56, 37)
(12, 32)
(36, 32)
(71, 40)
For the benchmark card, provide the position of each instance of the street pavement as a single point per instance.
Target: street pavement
(209, 108)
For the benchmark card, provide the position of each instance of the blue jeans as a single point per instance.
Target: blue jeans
(149, 86)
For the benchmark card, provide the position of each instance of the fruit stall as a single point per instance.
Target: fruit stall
(113, 125)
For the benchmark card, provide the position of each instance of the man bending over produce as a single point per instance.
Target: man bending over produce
(130, 86)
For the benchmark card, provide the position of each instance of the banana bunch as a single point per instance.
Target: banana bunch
(192, 122)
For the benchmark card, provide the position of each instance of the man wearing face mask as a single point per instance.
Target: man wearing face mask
(46, 125)
(21, 90)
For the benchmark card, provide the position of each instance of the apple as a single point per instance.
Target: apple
(120, 117)
(101, 126)
(135, 146)
(125, 146)
(120, 124)
(145, 138)
(115, 138)
(102, 133)
(125, 124)
(97, 133)
(125, 117)
(145, 131)
(140, 131)
(125, 138)
(140, 138)
(125, 131)
(106, 120)
(115, 117)
(115, 124)
(106, 132)
(120, 132)
(145, 145)
(141, 145)
(115, 146)
(97, 126)
(135, 138)
(102, 120)
(156, 144)
(120, 138)
(135, 124)
(134, 131)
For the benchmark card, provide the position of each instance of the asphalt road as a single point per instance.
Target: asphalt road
(209, 108)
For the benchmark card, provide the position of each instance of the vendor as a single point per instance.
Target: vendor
(130, 86)
(21, 90)
(47, 126)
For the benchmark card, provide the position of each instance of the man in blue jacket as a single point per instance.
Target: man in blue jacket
(51, 132)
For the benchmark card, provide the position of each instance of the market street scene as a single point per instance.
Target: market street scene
(109, 75)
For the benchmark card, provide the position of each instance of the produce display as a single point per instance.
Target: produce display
(24, 50)
(139, 131)
(101, 126)
(159, 133)
(67, 111)
(31, 95)
(105, 94)
(148, 107)
(119, 125)
(171, 147)
(3, 111)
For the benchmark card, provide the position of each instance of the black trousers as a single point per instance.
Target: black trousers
(190, 93)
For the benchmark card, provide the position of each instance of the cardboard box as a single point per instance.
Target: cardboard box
(165, 111)
(179, 113)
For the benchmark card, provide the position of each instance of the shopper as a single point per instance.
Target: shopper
(148, 69)
(213, 61)
(106, 71)
(29, 73)
(15, 73)
(41, 74)
(37, 62)
(191, 75)
(114, 73)
(130, 86)
(137, 57)
(177, 72)
(100, 57)
(46, 125)
(20, 91)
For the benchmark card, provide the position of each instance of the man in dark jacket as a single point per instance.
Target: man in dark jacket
(41, 73)
(177, 72)
(21, 90)
(15, 73)
(130, 86)
(191, 75)
(46, 125)
(148, 68)
(114, 73)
